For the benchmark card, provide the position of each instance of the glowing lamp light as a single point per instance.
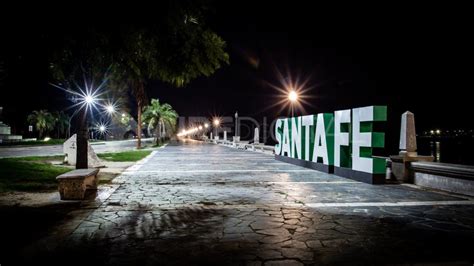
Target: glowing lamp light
(206, 125)
(47, 139)
(110, 109)
(200, 127)
(216, 122)
(89, 99)
(293, 96)
(102, 128)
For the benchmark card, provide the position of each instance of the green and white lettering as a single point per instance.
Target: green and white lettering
(296, 137)
(342, 124)
(364, 139)
(323, 149)
(307, 122)
(278, 136)
(285, 150)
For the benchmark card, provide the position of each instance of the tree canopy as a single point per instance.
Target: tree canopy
(175, 48)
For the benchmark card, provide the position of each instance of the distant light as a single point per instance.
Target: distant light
(102, 128)
(206, 125)
(110, 109)
(47, 139)
(89, 99)
(293, 96)
(200, 127)
(123, 115)
(431, 132)
(216, 122)
(438, 131)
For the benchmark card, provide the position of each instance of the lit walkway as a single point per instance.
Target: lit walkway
(209, 204)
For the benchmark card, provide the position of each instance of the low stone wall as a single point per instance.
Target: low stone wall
(449, 177)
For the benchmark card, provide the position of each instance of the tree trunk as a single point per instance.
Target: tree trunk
(139, 125)
(158, 132)
(139, 92)
(164, 132)
(81, 141)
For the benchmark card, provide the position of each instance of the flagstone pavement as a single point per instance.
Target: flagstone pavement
(203, 204)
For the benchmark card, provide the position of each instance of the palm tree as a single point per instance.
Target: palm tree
(61, 120)
(43, 120)
(161, 117)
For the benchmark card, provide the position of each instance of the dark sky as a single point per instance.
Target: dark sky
(416, 58)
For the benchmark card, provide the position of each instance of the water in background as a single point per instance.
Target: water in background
(448, 150)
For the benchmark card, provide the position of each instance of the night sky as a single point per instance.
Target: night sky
(406, 57)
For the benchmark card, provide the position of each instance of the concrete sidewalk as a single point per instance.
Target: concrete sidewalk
(208, 204)
(52, 150)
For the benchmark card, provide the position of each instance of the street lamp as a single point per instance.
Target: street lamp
(89, 99)
(216, 125)
(110, 109)
(293, 96)
(86, 99)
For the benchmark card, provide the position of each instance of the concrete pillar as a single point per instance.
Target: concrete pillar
(400, 164)
(408, 134)
(256, 138)
(225, 135)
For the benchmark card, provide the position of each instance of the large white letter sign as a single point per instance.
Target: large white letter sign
(363, 139)
(278, 136)
(342, 124)
(324, 139)
(307, 122)
(285, 150)
(335, 143)
(296, 137)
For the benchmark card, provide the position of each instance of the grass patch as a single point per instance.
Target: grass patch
(44, 159)
(28, 174)
(126, 156)
(34, 143)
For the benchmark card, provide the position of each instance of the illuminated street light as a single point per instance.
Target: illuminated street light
(110, 109)
(216, 122)
(206, 125)
(293, 96)
(88, 99)
(102, 129)
(200, 127)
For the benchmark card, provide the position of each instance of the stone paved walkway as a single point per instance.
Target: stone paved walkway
(208, 204)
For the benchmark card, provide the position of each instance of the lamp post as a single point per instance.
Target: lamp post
(237, 128)
(216, 125)
(81, 140)
(88, 100)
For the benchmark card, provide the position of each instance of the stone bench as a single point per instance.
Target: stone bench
(73, 185)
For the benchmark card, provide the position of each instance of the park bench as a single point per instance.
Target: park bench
(73, 185)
